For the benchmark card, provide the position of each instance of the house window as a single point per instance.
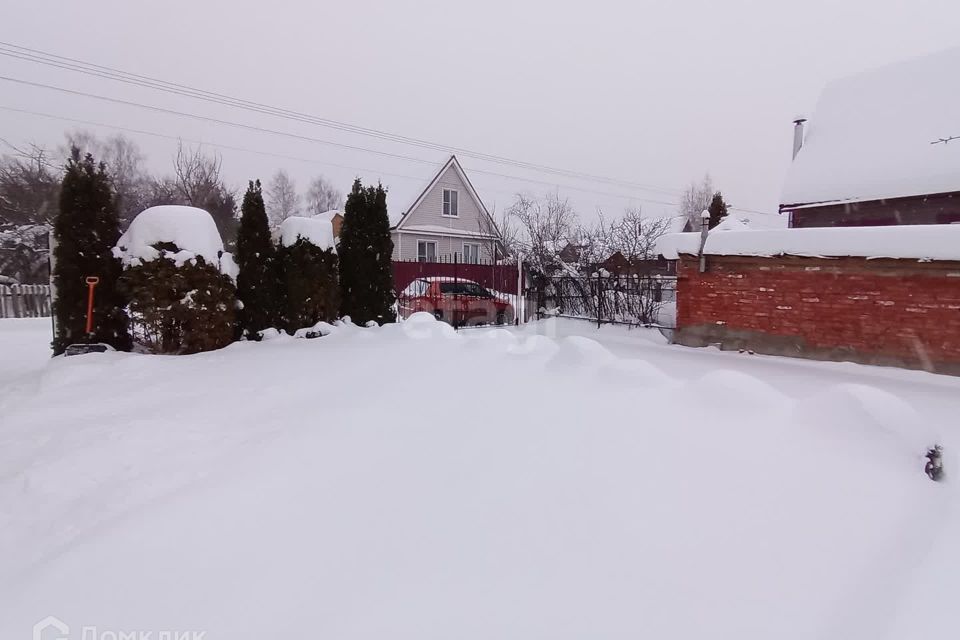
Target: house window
(471, 253)
(426, 251)
(451, 203)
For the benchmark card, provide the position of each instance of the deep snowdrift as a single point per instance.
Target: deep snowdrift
(412, 482)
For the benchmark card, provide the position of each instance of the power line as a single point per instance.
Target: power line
(316, 140)
(195, 116)
(74, 64)
(311, 161)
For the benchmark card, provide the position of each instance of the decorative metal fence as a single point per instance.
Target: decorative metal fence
(25, 301)
(648, 300)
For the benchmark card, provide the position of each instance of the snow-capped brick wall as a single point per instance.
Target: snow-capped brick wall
(874, 311)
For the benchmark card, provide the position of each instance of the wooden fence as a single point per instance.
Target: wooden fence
(24, 301)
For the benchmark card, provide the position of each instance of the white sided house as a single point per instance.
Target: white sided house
(447, 221)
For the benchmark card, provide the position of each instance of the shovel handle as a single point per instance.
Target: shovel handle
(91, 283)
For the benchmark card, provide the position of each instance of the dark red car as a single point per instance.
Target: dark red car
(457, 301)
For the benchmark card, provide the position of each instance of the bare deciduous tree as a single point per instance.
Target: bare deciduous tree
(196, 175)
(635, 236)
(29, 186)
(322, 196)
(196, 182)
(282, 199)
(696, 199)
(503, 226)
(546, 226)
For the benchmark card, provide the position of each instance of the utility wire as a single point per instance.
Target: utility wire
(310, 139)
(73, 64)
(111, 73)
(312, 161)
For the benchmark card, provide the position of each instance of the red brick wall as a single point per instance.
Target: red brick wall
(898, 312)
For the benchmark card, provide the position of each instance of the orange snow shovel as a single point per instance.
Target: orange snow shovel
(89, 347)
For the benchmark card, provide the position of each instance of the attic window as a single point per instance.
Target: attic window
(451, 203)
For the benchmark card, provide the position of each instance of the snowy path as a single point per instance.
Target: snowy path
(410, 482)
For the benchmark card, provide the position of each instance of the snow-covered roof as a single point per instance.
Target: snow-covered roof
(870, 136)
(327, 215)
(752, 221)
(192, 230)
(917, 242)
(316, 230)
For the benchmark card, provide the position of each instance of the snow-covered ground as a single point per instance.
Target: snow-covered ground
(553, 481)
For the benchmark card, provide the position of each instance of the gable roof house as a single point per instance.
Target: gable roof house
(447, 220)
(882, 148)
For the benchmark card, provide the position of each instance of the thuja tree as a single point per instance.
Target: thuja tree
(258, 285)
(366, 276)
(310, 284)
(184, 308)
(717, 210)
(85, 230)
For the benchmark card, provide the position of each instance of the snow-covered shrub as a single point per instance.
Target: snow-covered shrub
(179, 281)
(308, 259)
(24, 253)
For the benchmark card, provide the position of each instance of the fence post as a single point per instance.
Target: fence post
(599, 297)
(518, 312)
(456, 301)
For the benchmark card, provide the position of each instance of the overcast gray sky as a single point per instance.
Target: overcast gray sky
(656, 93)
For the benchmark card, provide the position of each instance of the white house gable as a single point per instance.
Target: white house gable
(456, 209)
(449, 214)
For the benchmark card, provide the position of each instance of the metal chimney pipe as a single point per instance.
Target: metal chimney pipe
(704, 231)
(797, 135)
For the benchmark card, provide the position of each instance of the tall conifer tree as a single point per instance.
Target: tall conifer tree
(717, 210)
(258, 283)
(366, 274)
(86, 230)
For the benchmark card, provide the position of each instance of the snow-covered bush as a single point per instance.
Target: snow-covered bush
(179, 281)
(24, 254)
(308, 257)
